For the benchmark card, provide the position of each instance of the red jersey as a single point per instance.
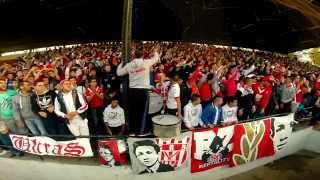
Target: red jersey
(231, 84)
(266, 95)
(96, 102)
(205, 92)
(317, 84)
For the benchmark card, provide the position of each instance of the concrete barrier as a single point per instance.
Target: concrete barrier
(14, 169)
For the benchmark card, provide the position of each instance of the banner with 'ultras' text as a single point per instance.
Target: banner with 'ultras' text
(46, 146)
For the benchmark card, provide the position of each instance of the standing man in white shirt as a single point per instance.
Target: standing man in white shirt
(173, 104)
(230, 111)
(114, 118)
(71, 106)
(139, 85)
(192, 113)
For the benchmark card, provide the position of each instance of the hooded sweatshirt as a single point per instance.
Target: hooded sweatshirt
(22, 108)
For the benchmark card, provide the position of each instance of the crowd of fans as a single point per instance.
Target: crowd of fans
(77, 91)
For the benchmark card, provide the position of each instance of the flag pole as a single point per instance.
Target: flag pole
(126, 43)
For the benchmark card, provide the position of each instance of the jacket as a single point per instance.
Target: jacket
(209, 114)
(22, 108)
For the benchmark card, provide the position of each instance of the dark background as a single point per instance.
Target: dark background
(260, 24)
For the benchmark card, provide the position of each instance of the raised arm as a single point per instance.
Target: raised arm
(154, 59)
(122, 69)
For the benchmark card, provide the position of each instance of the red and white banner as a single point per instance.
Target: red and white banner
(112, 152)
(252, 141)
(173, 152)
(156, 155)
(46, 146)
(211, 148)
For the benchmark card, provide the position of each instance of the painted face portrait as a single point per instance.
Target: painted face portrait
(146, 155)
(282, 129)
(106, 154)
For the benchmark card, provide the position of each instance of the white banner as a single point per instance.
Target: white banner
(46, 146)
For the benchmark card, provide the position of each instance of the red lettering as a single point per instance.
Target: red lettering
(34, 145)
(17, 142)
(46, 146)
(38, 148)
(137, 70)
(26, 143)
(57, 149)
(73, 149)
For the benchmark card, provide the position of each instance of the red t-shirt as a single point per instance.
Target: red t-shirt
(195, 75)
(299, 95)
(205, 92)
(255, 87)
(231, 84)
(96, 102)
(266, 95)
(317, 84)
(278, 75)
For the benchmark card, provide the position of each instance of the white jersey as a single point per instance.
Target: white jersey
(173, 93)
(229, 113)
(139, 71)
(192, 115)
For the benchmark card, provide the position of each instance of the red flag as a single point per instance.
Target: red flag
(252, 141)
(173, 152)
(211, 148)
(109, 154)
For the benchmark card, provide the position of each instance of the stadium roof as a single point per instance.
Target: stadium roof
(260, 24)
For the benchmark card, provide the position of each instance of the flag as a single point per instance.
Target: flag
(252, 141)
(281, 131)
(155, 155)
(211, 148)
(173, 152)
(111, 153)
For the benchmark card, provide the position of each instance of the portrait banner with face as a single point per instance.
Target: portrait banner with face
(211, 148)
(252, 141)
(281, 131)
(112, 152)
(155, 155)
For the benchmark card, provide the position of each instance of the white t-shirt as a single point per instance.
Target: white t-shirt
(114, 116)
(192, 115)
(174, 92)
(229, 113)
(139, 71)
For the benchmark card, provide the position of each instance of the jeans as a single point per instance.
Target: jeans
(36, 127)
(138, 111)
(316, 117)
(13, 126)
(5, 139)
(97, 118)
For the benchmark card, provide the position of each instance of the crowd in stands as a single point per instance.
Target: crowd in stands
(78, 91)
